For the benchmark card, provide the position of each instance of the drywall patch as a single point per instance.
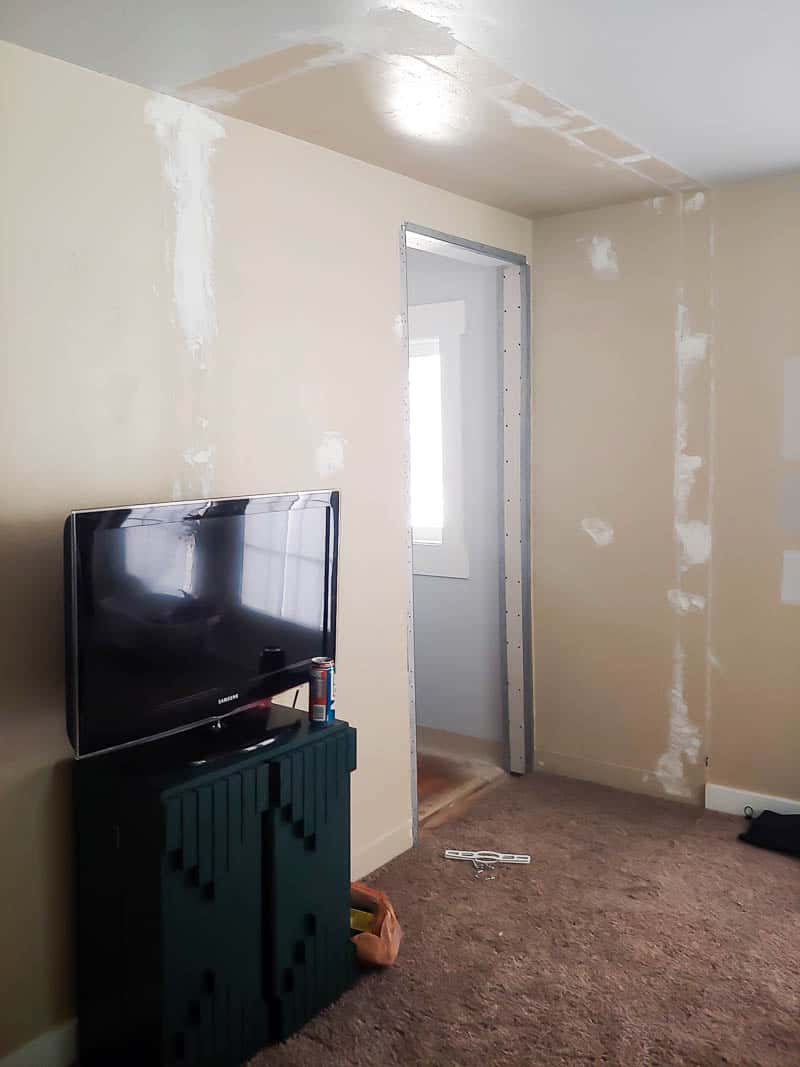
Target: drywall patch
(790, 581)
(330, 453)
(791, 408)
(601, 532)
(657, 203)
(603, 258)
(684, 739)
(188, 137)
(685, 603)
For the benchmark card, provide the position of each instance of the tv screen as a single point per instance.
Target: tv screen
(178, 614)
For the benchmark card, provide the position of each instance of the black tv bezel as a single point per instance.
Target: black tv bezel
(260, 686)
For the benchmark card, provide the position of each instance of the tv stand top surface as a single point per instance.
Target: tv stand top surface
(208, 749)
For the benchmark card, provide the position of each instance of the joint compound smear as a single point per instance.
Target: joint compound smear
(683, 603)
(330, 453)
(603, 258)
(599, 530)
(695, 202)
(188, 136)
(684, 739)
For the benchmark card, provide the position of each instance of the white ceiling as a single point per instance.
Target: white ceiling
(709, 86)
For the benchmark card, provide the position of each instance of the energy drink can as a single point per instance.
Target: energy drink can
(322, 705)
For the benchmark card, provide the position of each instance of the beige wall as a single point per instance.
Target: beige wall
(107, 399)
(756, 636)
(632, 688)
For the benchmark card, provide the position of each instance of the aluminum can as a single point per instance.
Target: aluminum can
(322, 702)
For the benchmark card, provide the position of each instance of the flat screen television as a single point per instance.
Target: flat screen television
(182, 614)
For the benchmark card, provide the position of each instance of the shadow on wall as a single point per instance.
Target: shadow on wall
(36, 927)
(35, 776)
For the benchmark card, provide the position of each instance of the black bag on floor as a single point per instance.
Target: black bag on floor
(781, 833)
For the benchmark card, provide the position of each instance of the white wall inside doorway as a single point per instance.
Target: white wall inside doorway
(458, 642)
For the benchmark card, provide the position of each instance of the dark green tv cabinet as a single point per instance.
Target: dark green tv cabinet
(213, 890)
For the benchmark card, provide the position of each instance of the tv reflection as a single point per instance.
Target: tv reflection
(235, 596)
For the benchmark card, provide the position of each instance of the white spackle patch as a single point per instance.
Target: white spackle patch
(695, 202)
(200, 462)
(684, 739)
(688, 466)
(188, 137)
(690, 347)
(397, 328)
(714, 662)
(599, 530)
(684, 603)
(603, 258)
(199, 458)
(694, 536)
(657, 204)
(330, 453)
(695, 539)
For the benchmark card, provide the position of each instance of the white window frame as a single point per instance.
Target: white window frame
(444, 322)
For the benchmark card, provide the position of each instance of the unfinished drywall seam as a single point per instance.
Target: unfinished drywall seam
(188, 136)
(600, 531)
(692, 537)
(559, 125)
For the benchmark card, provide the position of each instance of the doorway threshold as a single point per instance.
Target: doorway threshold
(452, 769)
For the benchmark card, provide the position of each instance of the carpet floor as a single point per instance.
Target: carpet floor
(643, 933)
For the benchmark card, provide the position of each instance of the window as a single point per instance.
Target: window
(435, 425)
(283, 569)
(427, 471)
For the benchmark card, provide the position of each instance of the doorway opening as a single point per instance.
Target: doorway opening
(470, 669)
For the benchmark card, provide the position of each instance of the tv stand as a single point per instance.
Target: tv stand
(212, 890)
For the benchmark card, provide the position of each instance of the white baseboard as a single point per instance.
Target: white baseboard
(56, 1048)
(734, 801)
(378, 852)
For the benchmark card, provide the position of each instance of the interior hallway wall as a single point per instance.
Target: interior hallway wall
(665, 492)
(458, 655)
(190, 306)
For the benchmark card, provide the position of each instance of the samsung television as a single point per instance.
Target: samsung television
(182, 614)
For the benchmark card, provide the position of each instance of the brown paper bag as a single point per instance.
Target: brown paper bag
(379, 947)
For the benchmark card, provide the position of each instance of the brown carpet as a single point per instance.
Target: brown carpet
(642, 933)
